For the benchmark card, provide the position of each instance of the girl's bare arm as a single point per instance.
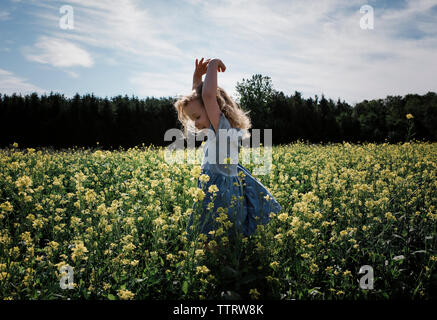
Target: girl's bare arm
(209, 92)
(210, 84)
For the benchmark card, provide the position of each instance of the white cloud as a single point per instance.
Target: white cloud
(318, 47)
(58, 53)
(163, 84)
(314, 47)
(10, 83)
(125, 27)
(72, 73)
(160, 84)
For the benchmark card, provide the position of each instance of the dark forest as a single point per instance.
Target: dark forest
(88, 121)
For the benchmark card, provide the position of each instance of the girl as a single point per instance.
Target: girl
(240, 197)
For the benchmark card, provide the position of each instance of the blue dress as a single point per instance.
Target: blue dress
(244, 198)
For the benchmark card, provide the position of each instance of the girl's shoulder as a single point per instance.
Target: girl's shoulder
(223, 124)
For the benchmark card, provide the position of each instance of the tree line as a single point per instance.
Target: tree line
(109, 123)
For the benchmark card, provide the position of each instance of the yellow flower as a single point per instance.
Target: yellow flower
(254, 294)
(101, 209)
(199, 253)
(283, 216)
(183, 253)
(274, 265)
(158, 221)
(305, 255)
(4, 276)
(79, 251)
(197, 194)
(225, 240)
(195, 172)
(129, 247)
(25, 236)
(15, 145)
(314, 268)
(219, 232)
(23, 181)
(125, 295)
(390, 216)
(278, 237)
(210, 205)
(221, 218)
(54, 245)
(90, 196)
(6, 206)
(204, 178)
(170, 257)
(227, 224)
(213, 188)
(77, 204)
(409, 116)
(202, 269)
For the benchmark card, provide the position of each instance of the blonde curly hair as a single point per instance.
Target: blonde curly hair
(237, 117)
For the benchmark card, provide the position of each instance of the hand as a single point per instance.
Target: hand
(220, 65)
(201, 67)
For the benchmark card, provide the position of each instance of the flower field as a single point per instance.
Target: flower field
(119, 218)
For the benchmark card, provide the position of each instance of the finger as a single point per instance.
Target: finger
(196, 63)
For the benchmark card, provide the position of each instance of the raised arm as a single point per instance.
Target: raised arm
(210, 84)
(209, 92)
(199, 71)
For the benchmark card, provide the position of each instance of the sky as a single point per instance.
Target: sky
(148, 48)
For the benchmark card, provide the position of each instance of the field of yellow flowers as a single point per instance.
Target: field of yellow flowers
(118, 219)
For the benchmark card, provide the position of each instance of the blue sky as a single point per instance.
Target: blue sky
(148, 48)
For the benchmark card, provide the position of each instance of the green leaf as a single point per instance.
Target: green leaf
(111, 297)
(185, 287)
